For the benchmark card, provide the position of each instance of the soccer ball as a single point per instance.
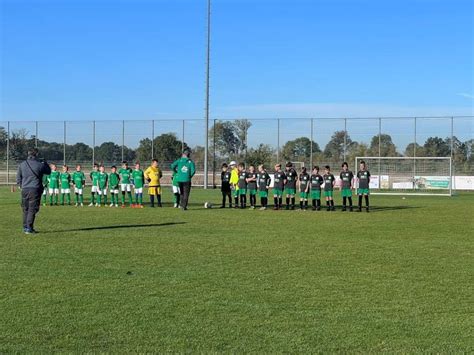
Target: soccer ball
(207, 205)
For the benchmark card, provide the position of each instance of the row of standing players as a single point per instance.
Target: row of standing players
(237, 182)
(118, 182)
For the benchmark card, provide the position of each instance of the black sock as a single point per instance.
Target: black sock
(327, 203)
(280, 201)
(158, 199)
(366, 200)
(236, 201)
(293, 201)
(344, 200)
(318, 203)
(350, 201)
(306, 203)
(152, 200)
(360, 201)
(332, 203)
(301, 204)
(314, 202)
(287, 201)
(275, 201)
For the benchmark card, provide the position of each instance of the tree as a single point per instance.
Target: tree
(143, 151)
(167, 148)
(230, 137)
(3, 143)
(299, 149)
(263, 154)
(108, 152)
(335, 147)
(78, 152)
(387, 147)
(419, 150)
(436, 147)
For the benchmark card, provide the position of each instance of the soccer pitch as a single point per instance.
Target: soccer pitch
(398, 279)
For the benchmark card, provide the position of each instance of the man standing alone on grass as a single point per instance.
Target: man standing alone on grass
(29, 178)
(184, 168)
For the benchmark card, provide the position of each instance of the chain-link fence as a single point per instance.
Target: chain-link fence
(307, 141)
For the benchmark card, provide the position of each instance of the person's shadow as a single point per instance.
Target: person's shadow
(116, 226)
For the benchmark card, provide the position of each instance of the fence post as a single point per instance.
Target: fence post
(152, 139)
(93, 142)
(345, 138)
(36, 134)
(278, 140)
(311, 147)
(414, 156)
(182, 137)
(123, 139)
(64, 143)
(452, 165)
(8, 152)
(380, 146)
(214, 155)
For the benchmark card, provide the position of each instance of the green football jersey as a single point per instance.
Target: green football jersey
(78, 179)
(102, 180)
(184, 168)
(65, 180)
(94, 175)
(114, 180)
(45, 180)
(138, 178)
(125, 175)
(54, 179)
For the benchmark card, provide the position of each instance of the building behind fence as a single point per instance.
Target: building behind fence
(306, 141)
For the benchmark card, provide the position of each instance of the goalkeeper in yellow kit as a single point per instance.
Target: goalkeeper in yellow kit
(153, 175)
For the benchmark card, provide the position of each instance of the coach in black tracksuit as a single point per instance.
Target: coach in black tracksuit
(29, 178)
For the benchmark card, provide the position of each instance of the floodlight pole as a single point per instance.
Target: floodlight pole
(208, 58)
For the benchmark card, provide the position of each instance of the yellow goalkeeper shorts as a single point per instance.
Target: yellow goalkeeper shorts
(154, 190)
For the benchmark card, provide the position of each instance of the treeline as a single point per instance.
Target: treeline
(228, 140)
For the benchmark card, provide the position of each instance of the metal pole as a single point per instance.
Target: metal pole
(123, 139)
(345, 138)
(208, 58)
(245, 142)
(278, 140)
(380, 145)
(152, 139)
(8, 152)
(214, 155)
(452, 168)
(414, 156)
(182, 137)
(36, 134)
(311, 146)
(93, 142)
(64, 143)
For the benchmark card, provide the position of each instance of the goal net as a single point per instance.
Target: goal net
(409, 175)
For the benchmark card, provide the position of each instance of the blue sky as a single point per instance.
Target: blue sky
(144, 59)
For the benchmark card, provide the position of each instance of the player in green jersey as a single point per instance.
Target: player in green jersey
(290, 185)
(65, 185)
(102, 181)
(125, 184)
(138, 181)
(316, 182)
(53, 183)
(329, 181)
(114, 181)
(242, 185)
(94, 176)
(252, 186)
(279, 181)
(304, 188)
(45, 183)
(263, 182)
(79, 181)
(347, 178)
(176, 192)
(363, 176)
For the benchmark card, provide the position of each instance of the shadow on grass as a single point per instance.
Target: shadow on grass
(389, 208)
(120, 226)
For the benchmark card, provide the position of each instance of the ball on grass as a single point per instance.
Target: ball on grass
(207, 205)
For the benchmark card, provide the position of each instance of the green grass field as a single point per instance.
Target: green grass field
(398, 279)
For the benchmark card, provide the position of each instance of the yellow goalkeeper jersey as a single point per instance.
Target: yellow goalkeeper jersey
(153, 175)
(234, 178)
